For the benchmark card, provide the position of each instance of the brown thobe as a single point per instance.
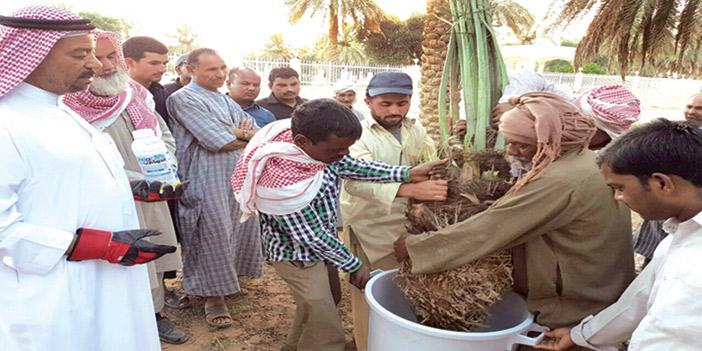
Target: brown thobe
(576, 240)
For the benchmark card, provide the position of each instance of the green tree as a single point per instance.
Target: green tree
(277, 49)
(184, 39)
(397, 42)
(121, 26)
(566, 68)
(593, 68)
(363, 13)
(637, 33)
(349, 50)
(315, 53)
(558, 66)
(306, 53)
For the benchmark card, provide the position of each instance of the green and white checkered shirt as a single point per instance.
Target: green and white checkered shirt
(310, 234)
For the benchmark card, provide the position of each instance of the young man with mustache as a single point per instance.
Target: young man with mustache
(284, 83)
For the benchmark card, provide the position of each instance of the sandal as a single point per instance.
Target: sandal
(217, 311)
(175, 301)
(169, 333)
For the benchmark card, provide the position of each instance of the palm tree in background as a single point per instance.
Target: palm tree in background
(185, 39)
(277, 49)
(638, 33)
(363, 13)
(350, 49)
(516, 17)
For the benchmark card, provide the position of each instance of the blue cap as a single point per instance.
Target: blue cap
(181, 60)
(390, 83)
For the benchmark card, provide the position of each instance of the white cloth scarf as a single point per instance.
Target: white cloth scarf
(272, 188)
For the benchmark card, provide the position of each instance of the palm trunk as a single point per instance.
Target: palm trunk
(334, 31)
(437, 31)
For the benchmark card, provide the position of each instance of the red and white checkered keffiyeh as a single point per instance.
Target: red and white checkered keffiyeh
(22, 50)
(275, 176)
(613, 107)
(94, 108)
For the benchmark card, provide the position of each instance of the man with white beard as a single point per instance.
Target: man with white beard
(117, 105)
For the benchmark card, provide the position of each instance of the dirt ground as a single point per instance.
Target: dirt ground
(261, 318)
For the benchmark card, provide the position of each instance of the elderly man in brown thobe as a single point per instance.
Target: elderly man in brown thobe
(571, 240)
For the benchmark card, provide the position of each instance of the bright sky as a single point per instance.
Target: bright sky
(232, 29)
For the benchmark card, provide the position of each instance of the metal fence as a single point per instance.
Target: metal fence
(264, 66)
(658, 96)
(323, 73)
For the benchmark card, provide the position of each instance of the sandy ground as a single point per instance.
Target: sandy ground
(261, 318)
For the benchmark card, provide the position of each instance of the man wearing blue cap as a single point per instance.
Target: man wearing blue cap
(183, 78)
(373, 213)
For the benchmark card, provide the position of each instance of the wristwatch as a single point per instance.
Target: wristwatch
(246, 134)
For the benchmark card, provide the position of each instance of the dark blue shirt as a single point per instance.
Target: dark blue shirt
(160, 95)
(260, 114)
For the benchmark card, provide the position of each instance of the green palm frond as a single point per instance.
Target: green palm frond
(637, 32)
(511, 14)
(364, 13)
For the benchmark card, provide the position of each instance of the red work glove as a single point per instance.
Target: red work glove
(126, 247)
(153, 192)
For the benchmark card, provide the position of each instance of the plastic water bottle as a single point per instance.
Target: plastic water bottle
(152, 155)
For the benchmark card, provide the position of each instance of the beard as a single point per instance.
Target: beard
(693, 120)
(519, 166)
(387, 124)
(110, 86)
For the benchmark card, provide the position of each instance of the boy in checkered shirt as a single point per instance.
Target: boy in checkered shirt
(296, 167)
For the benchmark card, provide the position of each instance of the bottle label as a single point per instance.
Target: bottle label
(157, 167)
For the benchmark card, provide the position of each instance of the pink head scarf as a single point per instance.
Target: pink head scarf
(614, 108)
(94, 108)
(23, 47)
(551, 123)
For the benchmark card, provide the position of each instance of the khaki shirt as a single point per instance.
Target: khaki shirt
(577, 241)
(372, 210)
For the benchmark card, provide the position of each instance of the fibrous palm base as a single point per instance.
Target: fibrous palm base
(458, 299)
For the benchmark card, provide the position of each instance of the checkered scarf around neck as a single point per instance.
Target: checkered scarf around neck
(94, 108)
(24, 44)
(551, 123)
(275, 176)
(614, 108)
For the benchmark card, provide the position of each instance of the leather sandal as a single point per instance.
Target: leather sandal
(175, 301)
(217, 311)
(169, 333)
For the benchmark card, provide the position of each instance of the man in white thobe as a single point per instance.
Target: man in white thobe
(61, 288)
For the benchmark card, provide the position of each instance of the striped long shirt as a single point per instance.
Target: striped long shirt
(310, 233)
